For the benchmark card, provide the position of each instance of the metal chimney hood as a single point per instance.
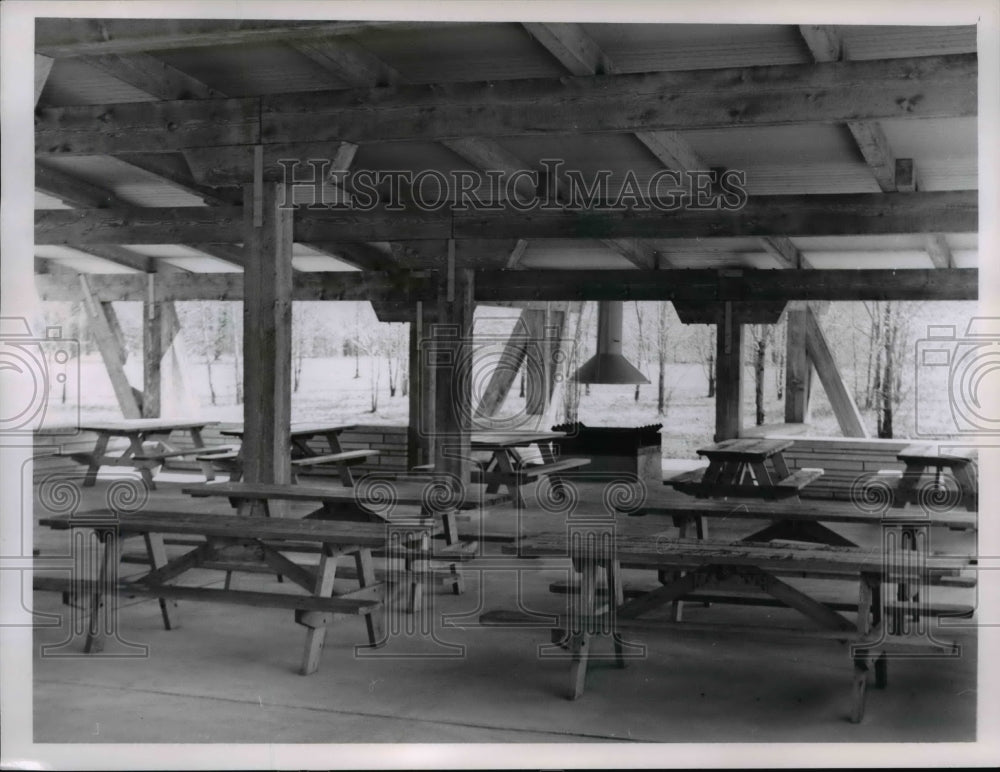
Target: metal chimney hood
(608, 365)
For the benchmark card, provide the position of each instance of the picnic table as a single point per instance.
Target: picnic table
(506, 466)
(745, 467)
(408, 504)
(921, 459)
(303, 455)
(601, 607)
(238, 544)
(140, 433)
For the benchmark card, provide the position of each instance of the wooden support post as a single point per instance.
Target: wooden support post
(43, 66)
(505, 373)
(844, 409)
(420, 448)
(153, 344)
(267, 342)
(537, 362)
(728, 375)
(452, 344)
(798, 368)
(103, 328)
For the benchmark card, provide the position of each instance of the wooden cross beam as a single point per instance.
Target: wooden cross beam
(804, 215)
(690, 285)
(932, 86)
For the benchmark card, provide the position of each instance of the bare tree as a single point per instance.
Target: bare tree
(761, 335)
(640, 343)
(394, 345)
(662, 340)
(778, 353)
(706, 348)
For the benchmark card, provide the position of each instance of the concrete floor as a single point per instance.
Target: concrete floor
(229, 674)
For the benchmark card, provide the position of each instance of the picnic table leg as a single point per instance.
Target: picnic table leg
(100, 448)
(908, 483)
(375, 621)
(547, 449)
(104, 588)
(317, 622)
(586, 608)
(616, 596)
(506, 466)
(346, 476)
(859, 688)
(135, 449)
(968, 485)
(157, 559)
(450, 529)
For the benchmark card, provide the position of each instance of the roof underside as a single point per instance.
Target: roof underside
(807, 159)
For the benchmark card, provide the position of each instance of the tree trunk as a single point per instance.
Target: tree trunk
(237, 370)
(760, 355)
(211, 386)
(887, 378)
(660, 397)
(711, 375)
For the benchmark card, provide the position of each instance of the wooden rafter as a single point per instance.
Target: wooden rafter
(938, 251)
(572, 46)
(43, 66)
(932, 86)
(80, 193)
(152, 75)
(785, 252)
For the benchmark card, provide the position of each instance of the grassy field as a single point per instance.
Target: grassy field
(330, 391)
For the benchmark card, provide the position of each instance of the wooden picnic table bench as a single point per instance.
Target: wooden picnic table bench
(140, 433)
(304, 456)
(920, 459)
(408, 503)
(794, 520)
(230, 544)
(749, 467)
(506, 467)
(699, 565)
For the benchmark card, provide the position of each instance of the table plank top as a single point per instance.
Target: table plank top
(490, 440)
(402, 494)
(931, 454)
(297, 430)
(653, 549)
(276, 528)
(134, 425)
(745, 449)
(810, 511)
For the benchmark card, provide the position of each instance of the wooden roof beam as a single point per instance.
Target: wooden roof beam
(334, 285)
(501, 285)
(932, 86)
(804, 215)
(712, 286)
(76, 192)
(78, 37)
